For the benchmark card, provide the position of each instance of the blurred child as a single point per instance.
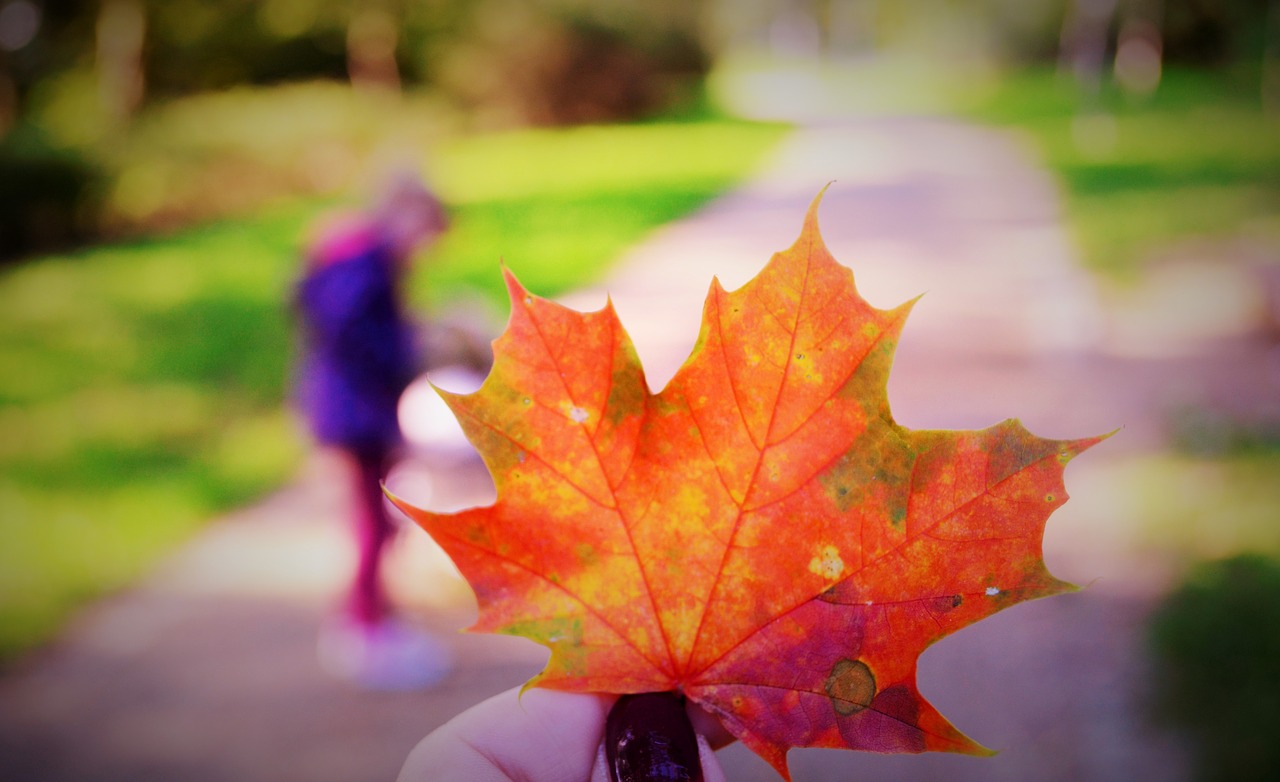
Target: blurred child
(358, 355)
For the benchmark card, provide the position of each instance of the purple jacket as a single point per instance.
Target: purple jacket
(357, 350)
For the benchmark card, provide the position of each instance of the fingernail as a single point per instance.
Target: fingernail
(648, 738)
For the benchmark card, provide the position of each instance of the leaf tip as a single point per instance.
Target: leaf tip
(904, 309)
(515, 290)
(811, 216)
(401, 504)
(1073, 448)
(529, 685)
(390, 495)
(964, 745)
(1061, 587)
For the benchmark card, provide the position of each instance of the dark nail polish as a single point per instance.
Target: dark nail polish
(648, 738)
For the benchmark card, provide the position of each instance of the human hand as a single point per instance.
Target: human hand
(540, 736)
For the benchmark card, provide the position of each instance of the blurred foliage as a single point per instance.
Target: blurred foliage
(1216, 641)
(47, 196)
(1008, 32)
(190, 160)
(1212, 32)
(197, 46)
(555, 204)
(193, 46)
(154, 99)
(518, 65)
(144, 381)
(109, 85)
(226, 153)
(1191, 508)
(1196, 158)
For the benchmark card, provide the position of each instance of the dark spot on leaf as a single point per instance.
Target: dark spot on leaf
(851, 686)
(627, 391)
(947, 603)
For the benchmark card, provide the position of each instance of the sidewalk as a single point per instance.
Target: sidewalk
(206, 670)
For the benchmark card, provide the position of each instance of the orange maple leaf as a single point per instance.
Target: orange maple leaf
(760, 535)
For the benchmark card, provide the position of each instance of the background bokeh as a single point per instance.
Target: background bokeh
(160, 160)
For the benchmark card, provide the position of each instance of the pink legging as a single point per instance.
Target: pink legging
(373, 530)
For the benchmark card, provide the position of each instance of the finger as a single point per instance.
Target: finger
(600, 771)
(542, 734)
(711, 771)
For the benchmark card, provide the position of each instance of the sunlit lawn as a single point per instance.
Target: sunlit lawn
(1183, 508)
(142, 386)
(1198, 159)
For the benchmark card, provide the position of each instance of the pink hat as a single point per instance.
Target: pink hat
(339, 236)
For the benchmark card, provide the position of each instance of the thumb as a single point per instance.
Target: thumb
(648, 738)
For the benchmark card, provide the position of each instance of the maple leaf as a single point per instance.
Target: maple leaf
(760, 536)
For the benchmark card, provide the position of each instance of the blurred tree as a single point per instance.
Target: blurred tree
(999, 30)
(141, 49)
(1028, 31)
(562, 62)
(120, 33)
(75, 75)
(1137, 37)
(20, 56)
(19, 23)
(1086, 39)
(1271, 59)
(373, 32)
(1139, 50)
(196, 45)
(1214, 32)
(8, 96)
(45, 191)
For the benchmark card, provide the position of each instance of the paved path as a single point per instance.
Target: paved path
(206, 670)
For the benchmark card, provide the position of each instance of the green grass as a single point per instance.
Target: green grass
(557, 205)
(143, 385)
(1197, 159)
(141, 394)
(1191, 508)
